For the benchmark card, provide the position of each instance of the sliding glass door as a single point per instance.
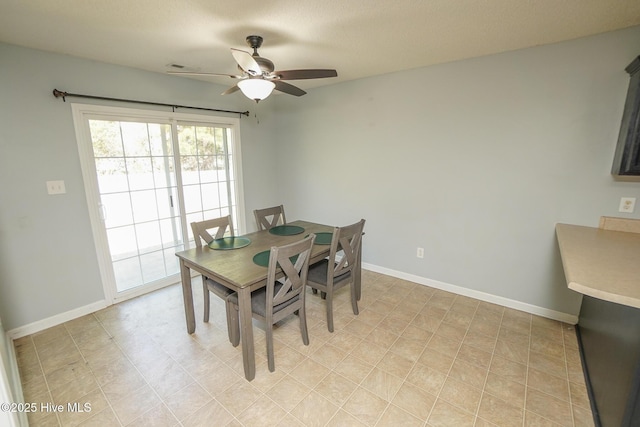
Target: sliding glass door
(147, 178)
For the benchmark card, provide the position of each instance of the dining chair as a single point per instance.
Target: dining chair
(337, 270)
(282, 296)
(268, 218)
(201, 232)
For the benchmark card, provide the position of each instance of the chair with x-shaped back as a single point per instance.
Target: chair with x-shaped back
(268, 218)
(201, 232)
(338, 269)
(282, 296)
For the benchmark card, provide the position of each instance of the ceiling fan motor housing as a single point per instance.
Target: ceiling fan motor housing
(254, 42)
(265, 65)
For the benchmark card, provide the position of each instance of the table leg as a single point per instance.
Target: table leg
(246, 333)
(187, 295)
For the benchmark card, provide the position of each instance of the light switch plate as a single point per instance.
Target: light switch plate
(627, 204)
(56, 187)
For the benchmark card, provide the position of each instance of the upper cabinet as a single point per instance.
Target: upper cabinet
(626, 162)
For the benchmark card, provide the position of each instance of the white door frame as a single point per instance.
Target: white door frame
(81, 114)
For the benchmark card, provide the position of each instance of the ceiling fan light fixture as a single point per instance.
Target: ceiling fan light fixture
(256, 89)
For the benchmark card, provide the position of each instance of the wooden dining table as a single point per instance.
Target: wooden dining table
(236, 269)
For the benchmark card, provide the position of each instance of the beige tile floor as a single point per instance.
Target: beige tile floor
(414, 356)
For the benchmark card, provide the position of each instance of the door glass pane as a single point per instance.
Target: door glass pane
(171, 263)
(137, 184)
(135, 139)
(152, 265)
(189, 169)
(106, 138)
(160, 140)
(210, 196)
(164, 174)
(222, 189)
(208, 171)
(187, 140)
(144, 205)
(195, 217)
(192, 199)
(148, 237)
(128, 273)
(112, 175)
(140, 173)
(170, 232)
(122, 242)
(117, 210)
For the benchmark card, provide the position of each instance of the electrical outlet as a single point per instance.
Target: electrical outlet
(420, 253)
(56, 187)
(627, 204)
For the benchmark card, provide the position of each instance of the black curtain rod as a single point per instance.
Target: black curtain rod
(61, 94)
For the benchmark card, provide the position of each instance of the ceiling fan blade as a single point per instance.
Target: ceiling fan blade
(190, 73)
(246, 61)
(287, 88)
(232, 89)
(305, 74)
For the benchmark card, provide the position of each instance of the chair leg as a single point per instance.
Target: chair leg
(270, 357)
(233, 324)
(205, 293)
(329, 303)
(303, 325)
(354, 298)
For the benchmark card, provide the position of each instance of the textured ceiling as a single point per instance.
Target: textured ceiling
(359, 38)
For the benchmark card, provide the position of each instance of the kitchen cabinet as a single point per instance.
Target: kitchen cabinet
(604, 266)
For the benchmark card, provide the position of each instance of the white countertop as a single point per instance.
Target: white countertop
(601, 263)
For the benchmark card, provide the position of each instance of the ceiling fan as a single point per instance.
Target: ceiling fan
(258, 77)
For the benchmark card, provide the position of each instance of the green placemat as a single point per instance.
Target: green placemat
(323, 238)
(262, 258)
(286, 230)
(227, 243)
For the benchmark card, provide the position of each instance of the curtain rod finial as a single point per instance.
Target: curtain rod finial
(59, 94)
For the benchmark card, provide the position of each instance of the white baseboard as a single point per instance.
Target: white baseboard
(41, 325)
(482, 296)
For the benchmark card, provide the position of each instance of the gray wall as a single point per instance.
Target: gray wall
(48, 263)
(475, 161)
